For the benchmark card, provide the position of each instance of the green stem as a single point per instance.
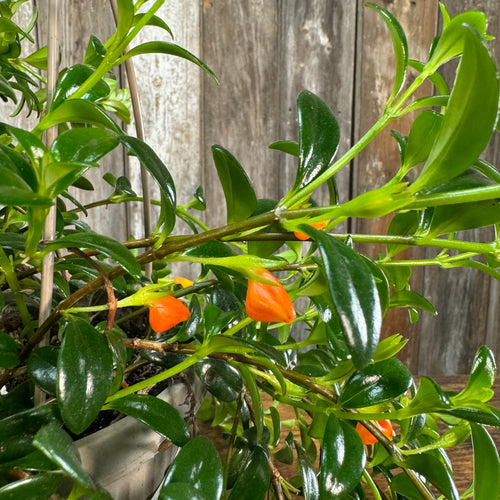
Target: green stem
(371, 485)
(455, 197)
(10, 276)
(294, 199)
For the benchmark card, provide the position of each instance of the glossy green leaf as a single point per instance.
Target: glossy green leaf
(342, 460)
(354, 294)
(34, 147)
(486, 465)
(429, 398)
(470, 116)
(17, 164)
(309, 480)
(478, 412)
(290, 147)
(155, 413)
(18, 399)
(482, 376)
(421, 138)
(18, 430)
(285, 453)
(71, 79)
(14, 191)
(125, 18)
(220, 378)
(42, 368)
(197, 465)
(95, 52)
(153, 164)
(319, 137)
(375, 384)
(211, 249)
(254, 479)
(8, 351)
(399, 43)
(38, 59)
(154, 21)
(77, 111)
(38, 487)
(435, 472)
(160, 47)
(409, 298)
(56, 444)
(57, 177)
(238, 191)
(103, 244)
(85, 370)
(403, 485)
(83, 145)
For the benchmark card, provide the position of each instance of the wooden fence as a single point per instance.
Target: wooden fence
(264, 53)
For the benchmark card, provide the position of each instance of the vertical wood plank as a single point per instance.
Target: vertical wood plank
(240, 43)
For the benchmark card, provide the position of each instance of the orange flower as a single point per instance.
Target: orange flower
(166, 312)
(368, 438)
(318, 225)
(184, 282)
(268, 302)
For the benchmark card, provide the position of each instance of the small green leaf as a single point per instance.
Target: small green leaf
(486, 465)
(435, 472)
(240, 196)
(8, 351)
(85, 370)
(399, 43)
(409, 298)
(342, 460)
(403, 485)
(56, 444)
(152, 163)
(160, 47)
(309, 479)
(354, 294)
(375, 384)
(76, 111)
(103, 244)
(220, 378)
(319, 136)
(38, 59)
(38, 487)
(83, 145)
(290, 147)
(195, 473)
(18, 399)
(155, 413)
(470, 116)
(254, 479)
(42, 368)
(71, 80)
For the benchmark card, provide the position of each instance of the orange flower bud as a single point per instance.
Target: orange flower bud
(368, 438)
(166, 312)
(268, 302)
(318, 225)
(184, 282)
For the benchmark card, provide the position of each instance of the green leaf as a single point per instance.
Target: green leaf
(77, 111)
(152, 163)
(435, 472)
(403, 485)
(83, 145)
(486, 465)
(125, 18)
(95, 52)
(38, 59)
(309, 479)
(16, 163)
(160, 47)
(17, 431)
(409, 298)
(399, 43)
(85, 370)
(253, 480)
(38, 487)
(470, 116)
(429, 398)
(8, 351)
(220, 378)
(18, 399)
(240, 196)
(342, 460)
(71, 79)
(42, 368)
(34, 147)
(155, 413)
(195, 473)
(319, 137)
(56, 444)
(154, 21)
(104, 245)
(375, 384)
(354, 294)
(478, 412)
(57, 177)
(290, 147)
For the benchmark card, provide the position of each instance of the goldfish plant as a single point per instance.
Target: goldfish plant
(284, 305)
